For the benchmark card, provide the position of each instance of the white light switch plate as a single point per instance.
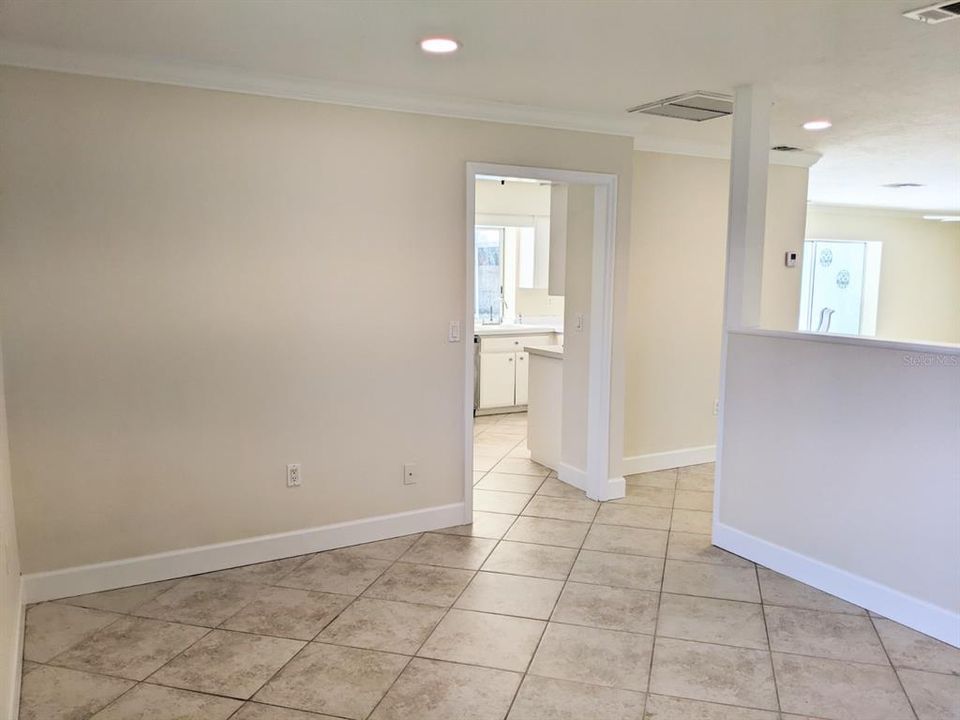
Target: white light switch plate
(453, 333)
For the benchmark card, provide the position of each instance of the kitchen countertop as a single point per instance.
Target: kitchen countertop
(550, 351)
(489, 330)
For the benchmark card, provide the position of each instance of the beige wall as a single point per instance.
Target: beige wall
(9, 572)
(193, 285)
(919, 295)
(677, 252)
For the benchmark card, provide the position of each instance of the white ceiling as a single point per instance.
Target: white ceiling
(890, 85)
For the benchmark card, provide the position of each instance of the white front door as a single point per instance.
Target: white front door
(835, 272)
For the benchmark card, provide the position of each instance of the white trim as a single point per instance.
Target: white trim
(670, 459)
(615, 487)
(16, 666)
(881, 599)
(717, 151)
(909, 346)
(292, 87)
(84, 579)
(598, 483)
(600, 327)
(470, 349)
(572, 476)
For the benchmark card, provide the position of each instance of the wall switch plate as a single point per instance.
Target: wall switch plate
(716, 407)
(578, 322)
(293, 475)
(453, 333)
(409, 474)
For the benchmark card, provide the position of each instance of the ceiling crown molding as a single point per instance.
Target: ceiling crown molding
(214, 77)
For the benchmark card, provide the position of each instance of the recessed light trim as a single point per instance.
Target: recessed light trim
(815, 125)
(439, 45)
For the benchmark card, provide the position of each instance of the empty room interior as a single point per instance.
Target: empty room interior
(479, 360)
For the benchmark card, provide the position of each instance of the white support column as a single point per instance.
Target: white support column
(746, 221)
(750, 157)
(601, 484)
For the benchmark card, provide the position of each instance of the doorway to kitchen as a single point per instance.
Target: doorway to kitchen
(539, 313)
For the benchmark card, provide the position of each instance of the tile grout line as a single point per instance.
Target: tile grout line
(446, 612)
(335, 617)
(546, 624)
(307, 643)
(656, 623)
(896, 674)
(766, 632)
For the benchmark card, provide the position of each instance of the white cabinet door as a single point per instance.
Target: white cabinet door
(497, 379)
(523, 364)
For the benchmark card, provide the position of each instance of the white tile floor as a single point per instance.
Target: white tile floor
(548, 607)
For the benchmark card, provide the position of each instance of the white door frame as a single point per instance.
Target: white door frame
(601, 484)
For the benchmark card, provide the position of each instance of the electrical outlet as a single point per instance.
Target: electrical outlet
(716, 407)
(293, 475)
(409, 474)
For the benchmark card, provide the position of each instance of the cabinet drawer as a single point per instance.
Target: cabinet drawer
(514, 343)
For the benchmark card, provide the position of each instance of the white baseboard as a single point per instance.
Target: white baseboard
(615, 488)
(666, 460)
(12, 703)
(905, 609)
(572, 476)
(207, 558)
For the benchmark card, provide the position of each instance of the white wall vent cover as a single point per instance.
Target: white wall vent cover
(697, 106)
(933, 14)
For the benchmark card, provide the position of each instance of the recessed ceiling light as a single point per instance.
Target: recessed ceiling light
(817, 125)
(439, 45)
(943, 218)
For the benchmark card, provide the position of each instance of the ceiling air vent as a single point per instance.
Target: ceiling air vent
(697, 106)
(933, 14)
(786, 148)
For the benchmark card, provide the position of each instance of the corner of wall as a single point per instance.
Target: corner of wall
(11, 583)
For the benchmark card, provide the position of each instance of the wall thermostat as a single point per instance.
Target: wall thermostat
(790, 258)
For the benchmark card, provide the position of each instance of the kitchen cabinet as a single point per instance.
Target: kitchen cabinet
(498, 379)
(502, 370)
(503, 379)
